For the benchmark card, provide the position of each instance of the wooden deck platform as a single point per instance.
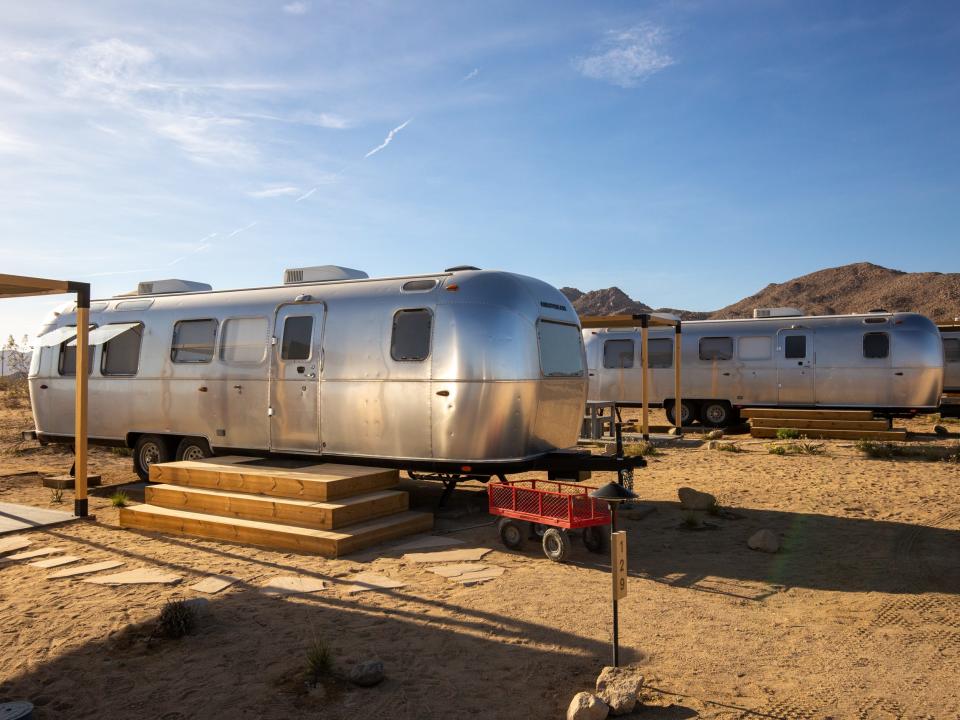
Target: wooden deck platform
(323, 508)
(822, 424)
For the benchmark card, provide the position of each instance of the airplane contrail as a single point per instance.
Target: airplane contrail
(390, 135)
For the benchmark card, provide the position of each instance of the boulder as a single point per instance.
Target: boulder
(714, 435)
(941, 431)
(367, 673)
(764, 541)
(620, 688)
(587, 706)
(691, 499)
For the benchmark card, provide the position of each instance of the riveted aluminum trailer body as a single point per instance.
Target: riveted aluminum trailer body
(950, 406)
(500, 377)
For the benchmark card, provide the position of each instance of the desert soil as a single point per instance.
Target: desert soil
(858, 616)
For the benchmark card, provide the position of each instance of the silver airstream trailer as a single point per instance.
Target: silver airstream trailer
(889, 362)
(465, 371)
(950, 406)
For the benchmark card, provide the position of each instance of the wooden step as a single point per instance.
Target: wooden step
(895, 434)
(324, 481)
(791, 413)
(305, 513)
(802, 423)
(328, 543)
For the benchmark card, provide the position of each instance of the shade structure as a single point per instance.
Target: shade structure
(25, 286)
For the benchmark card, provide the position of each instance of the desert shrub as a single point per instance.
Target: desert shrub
(787, 434)
(119, 499)
(729, 447)
(56, 496)
(805, 447)
(177, 619)
(644, 448)
(122, 451)
(319, 661)
(889, 451)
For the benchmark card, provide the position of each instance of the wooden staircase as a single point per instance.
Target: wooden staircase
(325, 508)
(822, 424)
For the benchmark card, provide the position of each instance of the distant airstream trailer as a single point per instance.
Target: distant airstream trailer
(889, 362)
(950, 406)
(465, 371)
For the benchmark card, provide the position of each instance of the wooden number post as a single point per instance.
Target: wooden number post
(619, 548)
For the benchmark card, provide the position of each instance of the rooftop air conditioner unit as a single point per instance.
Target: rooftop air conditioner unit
(160, 287)
(321, 273)
(777, 312)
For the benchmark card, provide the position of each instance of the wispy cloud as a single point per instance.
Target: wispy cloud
(275, 191)
(627, 57)
(307, 194)
(297, 8)
(236, 232)
(390, 136)
(470, 75)
(204, 244)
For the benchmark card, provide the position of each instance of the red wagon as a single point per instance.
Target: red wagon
(526, 506)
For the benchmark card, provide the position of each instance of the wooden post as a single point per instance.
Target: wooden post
(677, 403)
(644, 362)
(80, 426)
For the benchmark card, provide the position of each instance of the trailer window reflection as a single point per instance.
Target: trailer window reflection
(754, 348)
(67, 364)
(561, 349)
(795, 347)
(661, 353)
(193, 341)
(716, 348)
(411, 335)
(618, 354)
(244, 341)
(951, 350)
(876, 345)
(297, 334)
(121, 354)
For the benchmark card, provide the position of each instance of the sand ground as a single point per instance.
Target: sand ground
(857, 617)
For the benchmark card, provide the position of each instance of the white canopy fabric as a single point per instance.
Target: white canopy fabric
(55, 337)
(106, 333)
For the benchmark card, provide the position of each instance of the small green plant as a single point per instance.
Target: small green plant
(122, 451)
(56, 496)
(319, 661)
(888, 451)
(177, 619)
(787, 433)
(119, 499)
(805, 447)
(730, 447)
(644, 448)
(776, 449)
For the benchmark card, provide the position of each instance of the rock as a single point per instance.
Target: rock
(691, 499)
(673, 431)
(940, 430)
(367, 673)
(587, 706)
(764, 541)
(712, 445)
(714, 435)
(619, 688)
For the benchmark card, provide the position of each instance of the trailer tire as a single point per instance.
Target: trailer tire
(688, 412)
(595, 539)
(193, 449)
(511, 533)
(556, 544)
(149, 449)
(716, 413)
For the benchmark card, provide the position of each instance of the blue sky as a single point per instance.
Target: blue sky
(688, 152)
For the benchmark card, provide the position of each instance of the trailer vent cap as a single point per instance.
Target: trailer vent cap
(321, 273)
(878, 310)
(458, 268)
(162, 287)
(777, 312)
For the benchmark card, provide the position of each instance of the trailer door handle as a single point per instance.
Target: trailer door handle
(443, 393)
(898, 373)
(727, 374)
(43, 387)
(202, 388)
(238, 387)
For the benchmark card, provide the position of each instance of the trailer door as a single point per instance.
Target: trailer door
(795, 367)
(295, 378)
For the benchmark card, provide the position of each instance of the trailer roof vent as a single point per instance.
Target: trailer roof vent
(777, 312)
(877, 310)
(458, 268)
(321, 273)
(160, 287)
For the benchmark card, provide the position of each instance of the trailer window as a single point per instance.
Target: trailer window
(244, 341)
(297, 336)
(795, 347)
(754, 348)
(67, 363)
(193, 341)
(410, 340)
(661, 353)
(716, 348)
(618, 354)
(561, 349)
(121, 354)
(876, 345)
(951, 350)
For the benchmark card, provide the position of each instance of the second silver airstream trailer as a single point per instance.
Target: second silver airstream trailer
(889, 362)
(950, 406)
(466, 371)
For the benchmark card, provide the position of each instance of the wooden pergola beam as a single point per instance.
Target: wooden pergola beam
(628, 321)
(23, 286)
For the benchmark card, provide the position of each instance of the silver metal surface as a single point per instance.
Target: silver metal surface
(832, 373)
(479, 396)
(951, 370)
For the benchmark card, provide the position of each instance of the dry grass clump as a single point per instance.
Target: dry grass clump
(644, 448)
(119, 499)
(732, 447)
(891, 451)
(176, 620)
(319, 661)
(787, 433)
(803, 446)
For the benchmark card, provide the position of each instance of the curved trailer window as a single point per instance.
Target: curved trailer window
(618, 354)
(716, 348)
(661, 352)
(297, 337)
(876, 345)
(561, 349)
(193, 341)
(121, 353)
(67, 362)
(951, 350)
(410, 340)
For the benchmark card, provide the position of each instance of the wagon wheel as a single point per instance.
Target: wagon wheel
(511, 533)
(595, 538)
(556, 544)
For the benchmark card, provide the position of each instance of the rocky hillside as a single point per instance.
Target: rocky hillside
(847, 289)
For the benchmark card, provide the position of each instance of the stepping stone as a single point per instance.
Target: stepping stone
(140, 576)
(55, 562)
(451, 571)
(480, 576)
(291, 585)
(34, 553)
(13, 544)
(83, 569)
(213, 584)
(467, 555)
(426, 542)
(371, 581)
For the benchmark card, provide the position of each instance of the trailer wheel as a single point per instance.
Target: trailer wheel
(193, 449)
(716, 413)
(556, 544)
(595, 538)
(688, 413)
(149, 449)
(511, 533)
